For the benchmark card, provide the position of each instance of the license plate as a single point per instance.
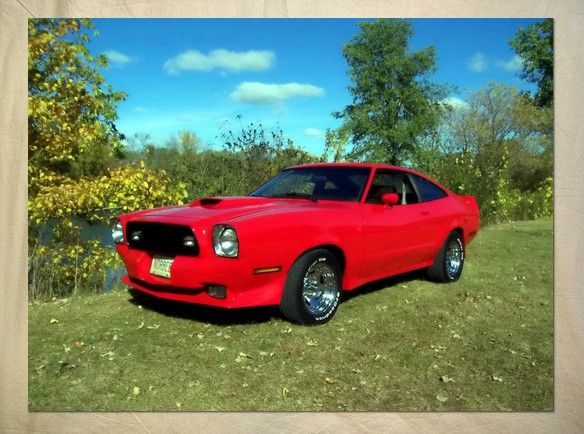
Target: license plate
(161, 266)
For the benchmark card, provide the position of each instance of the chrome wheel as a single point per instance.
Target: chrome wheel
(320, 288)
(454, 258)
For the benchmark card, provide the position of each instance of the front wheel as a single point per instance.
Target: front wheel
(447, 266)
(312, 289)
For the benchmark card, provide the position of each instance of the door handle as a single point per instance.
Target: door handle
(425, 212)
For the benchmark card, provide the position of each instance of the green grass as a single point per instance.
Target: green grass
(405, 344)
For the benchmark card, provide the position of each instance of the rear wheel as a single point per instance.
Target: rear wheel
(447, 266)
(312, 289)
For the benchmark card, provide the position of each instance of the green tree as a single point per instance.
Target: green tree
(335, 143)
(496, 148)
(261, 152)
(535, 46)
(394, 102)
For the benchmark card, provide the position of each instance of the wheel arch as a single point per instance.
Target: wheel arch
(337, 252)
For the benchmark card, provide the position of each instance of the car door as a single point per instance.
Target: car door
(393, 240)
(437, 215)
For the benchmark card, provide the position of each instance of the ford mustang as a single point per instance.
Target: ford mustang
(300, 239)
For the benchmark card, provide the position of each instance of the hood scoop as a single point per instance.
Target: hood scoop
(230, 202)
(208, 201)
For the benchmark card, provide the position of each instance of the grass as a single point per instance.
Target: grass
(404, 344)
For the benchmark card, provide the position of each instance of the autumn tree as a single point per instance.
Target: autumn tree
(535, 46)
(72, 142)
(394, 102)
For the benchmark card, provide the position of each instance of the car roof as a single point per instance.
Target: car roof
(366, 165)
(374, 166)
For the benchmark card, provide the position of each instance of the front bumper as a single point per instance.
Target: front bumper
(190, 278)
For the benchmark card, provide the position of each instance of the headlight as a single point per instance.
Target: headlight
(225, 241)
(118, 232)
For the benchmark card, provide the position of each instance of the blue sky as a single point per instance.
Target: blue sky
(201, 74)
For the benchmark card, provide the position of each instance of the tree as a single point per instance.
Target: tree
(73, 143)
(261, 152)
(535, 46)
(71, 110)
(189, 142)
(394, 103)
(497, 148)
(335, 143)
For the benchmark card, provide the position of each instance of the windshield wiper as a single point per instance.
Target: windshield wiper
(294, 196)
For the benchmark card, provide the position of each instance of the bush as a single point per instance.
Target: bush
(68, 265)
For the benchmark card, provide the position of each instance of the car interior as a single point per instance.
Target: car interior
(388, 182)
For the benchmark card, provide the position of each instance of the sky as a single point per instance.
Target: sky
(211, 75)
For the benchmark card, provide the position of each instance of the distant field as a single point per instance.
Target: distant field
(405, 344)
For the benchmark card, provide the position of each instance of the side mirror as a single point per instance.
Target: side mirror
(389, 199)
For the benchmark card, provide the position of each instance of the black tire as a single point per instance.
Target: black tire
(444, 269)
(320, 265)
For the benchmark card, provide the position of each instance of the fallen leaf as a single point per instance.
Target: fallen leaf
(54, 321)
(115, 338)
(329, 380)
(446, 379)
(285, 391)
(496, 378)
(441, 397)
(311, 343)
(79, 344)
(136, 390)
(220, 349)
(153, 327)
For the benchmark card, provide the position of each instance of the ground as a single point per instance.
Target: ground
(403, 344)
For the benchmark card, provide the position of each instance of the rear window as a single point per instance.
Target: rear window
(428, 190)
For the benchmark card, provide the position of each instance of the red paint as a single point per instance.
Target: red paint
(375, 240)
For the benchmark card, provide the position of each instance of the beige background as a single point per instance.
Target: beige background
(569, 221)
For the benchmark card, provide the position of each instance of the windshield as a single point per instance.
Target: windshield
(317, 183)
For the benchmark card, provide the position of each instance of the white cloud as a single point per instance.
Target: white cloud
(477, 63)
(140, 109)
(223, 60)
(266, 93)
(513, 64)
(115, 58)
(313, 132)
(454, 102)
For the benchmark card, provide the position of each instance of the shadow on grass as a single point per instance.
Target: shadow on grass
(206, 314)
(386, 283)
(255, 315)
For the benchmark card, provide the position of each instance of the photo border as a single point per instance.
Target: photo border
(568, 415)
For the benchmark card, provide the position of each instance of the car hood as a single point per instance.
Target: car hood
(223, 209)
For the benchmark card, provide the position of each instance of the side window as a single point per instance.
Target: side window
(386, 181)
(428, 190)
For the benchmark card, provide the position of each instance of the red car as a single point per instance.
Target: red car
(300, 239)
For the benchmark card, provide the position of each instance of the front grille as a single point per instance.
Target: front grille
(162, 238)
